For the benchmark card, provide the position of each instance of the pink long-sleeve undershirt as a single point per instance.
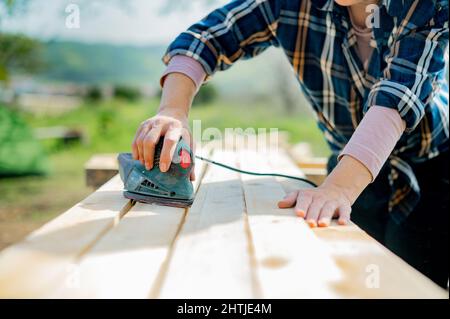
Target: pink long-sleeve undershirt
(187, 66)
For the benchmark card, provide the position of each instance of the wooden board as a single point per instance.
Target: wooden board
(361, 259)
(100, 168)
(211, 257)
(291, 261)
(47, 258)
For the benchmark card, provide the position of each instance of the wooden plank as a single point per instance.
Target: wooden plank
(212, 258)
(100, 168)
(46, 258)
(129, 260)
(291, 261)
(360, 257)
(372, 271)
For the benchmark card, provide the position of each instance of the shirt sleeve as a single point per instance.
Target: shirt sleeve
(187, 66)
(418, 49)
(375, 138)
(241, 29)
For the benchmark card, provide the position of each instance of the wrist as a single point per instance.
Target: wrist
(350, 177)
(177, 112)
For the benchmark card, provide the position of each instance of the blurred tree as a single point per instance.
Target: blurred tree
(207, 94)
(18, 53)
(94, 94)
(20, 153)
(127, 93)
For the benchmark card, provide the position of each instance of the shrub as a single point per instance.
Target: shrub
(127, 93)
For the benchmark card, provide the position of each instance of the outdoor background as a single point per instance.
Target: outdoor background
(69, 93)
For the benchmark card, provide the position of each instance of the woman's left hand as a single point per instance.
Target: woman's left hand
(319, 205)
(332, 199)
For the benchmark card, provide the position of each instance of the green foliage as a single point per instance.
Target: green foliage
(127, 93)
(94, 94)
(18, 53)
(207, 95)
(20, 153)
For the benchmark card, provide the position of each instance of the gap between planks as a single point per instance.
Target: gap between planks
(212, 256)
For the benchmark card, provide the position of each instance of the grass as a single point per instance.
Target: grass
(28, 202)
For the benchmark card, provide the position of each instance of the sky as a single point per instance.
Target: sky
(135, 22)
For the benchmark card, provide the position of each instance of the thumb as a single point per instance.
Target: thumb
(289, 200)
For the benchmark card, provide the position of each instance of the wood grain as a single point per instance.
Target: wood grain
(47, 258)
(211, 257)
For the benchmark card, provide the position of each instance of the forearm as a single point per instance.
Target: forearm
(367, 151)
(177, 94)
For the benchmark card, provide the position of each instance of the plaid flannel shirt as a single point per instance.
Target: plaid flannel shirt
(406, 71)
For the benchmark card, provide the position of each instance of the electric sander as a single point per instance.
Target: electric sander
(172, 188)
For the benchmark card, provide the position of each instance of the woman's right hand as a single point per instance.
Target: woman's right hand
(171, 121)
(168, 123)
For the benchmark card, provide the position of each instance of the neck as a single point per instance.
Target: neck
(359, 14)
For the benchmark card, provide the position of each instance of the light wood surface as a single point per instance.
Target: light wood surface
(233, 242)
(100, 168)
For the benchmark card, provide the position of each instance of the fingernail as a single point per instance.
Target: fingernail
(311, 223)
(323, 223)
(301, 214)
(163, 167)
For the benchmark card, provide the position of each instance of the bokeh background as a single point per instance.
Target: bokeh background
(68, 93)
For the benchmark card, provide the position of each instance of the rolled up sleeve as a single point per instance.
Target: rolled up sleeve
(418, 53)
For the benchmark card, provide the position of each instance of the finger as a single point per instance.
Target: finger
(344, 214)
(134, 145)
(150, 141)
(303, 202)
(326, 213)
(192, 175)
(140, 142)
(314, 211)
(171, 139)
(187, 136)
(288, 200)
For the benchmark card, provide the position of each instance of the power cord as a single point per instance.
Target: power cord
(255, 173)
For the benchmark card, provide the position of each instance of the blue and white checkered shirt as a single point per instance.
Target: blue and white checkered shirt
(406, 70)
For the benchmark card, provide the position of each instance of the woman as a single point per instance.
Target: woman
(374, 73)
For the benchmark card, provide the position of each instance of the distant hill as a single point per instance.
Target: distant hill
(101, 63)
(268, 75)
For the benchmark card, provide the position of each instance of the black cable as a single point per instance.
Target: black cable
(254, 173)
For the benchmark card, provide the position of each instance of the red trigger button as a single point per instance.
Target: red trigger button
(185, 159)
